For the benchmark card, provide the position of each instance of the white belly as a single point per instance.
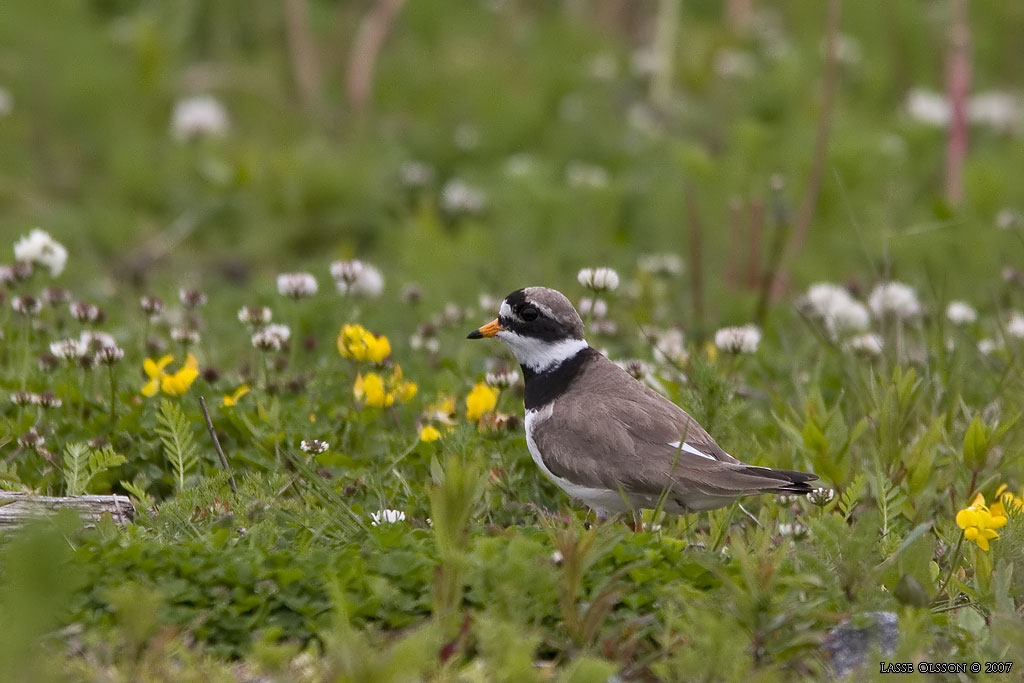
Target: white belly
(602, 501)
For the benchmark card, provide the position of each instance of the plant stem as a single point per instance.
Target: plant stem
(113, 396)
(952, 565)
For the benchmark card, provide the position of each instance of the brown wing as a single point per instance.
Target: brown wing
(615, 432)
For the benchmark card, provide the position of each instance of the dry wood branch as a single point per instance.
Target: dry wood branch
(958, 83)
(365, 49)
(216, 444)
(302, 51)
(18, 508)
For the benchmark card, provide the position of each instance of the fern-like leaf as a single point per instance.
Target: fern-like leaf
(100, 461)
(138, 491)
(176, 436)
(76, 463)
(852, 495)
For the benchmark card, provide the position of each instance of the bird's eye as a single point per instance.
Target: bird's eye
(529, 314)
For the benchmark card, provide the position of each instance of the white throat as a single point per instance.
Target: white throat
(539, 355)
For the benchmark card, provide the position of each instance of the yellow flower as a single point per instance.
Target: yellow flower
(233, 399)
(1008, 499)
(173, 384)
(369, 390)
(155, 371)
(980, 522)
(374, 391)
(430, 433)
(481, 399)
(358, 343)
(178, 383)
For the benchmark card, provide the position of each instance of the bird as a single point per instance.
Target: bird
(606, 438)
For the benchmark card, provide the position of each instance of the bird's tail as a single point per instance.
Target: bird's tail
(789, 481)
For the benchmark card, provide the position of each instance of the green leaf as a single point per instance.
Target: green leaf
(976, 444)
(175, 434)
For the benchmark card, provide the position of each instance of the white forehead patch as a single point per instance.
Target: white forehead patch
(505, 311)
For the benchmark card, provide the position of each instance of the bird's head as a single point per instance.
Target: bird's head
(540, 327)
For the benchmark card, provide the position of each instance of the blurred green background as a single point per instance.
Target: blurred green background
(522, 101)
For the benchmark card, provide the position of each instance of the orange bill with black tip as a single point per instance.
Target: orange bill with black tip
(489, 330)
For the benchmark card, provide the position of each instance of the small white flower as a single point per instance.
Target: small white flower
(199, 117)
(314, 446)
(598, 279)
(415, 173)
(557, 558)
(84, 312)
(929, 108)
(670, 347)
(666, 264)
(272, 337)
(68, 349)
(38, 247)
(191, 298)
(580, 174)
(386, 517)
(109, 355)
(1015, 325)
(988, 346)
(596, 307)
(794, 529)
(838, 311)
(502, 379)
(296, 285)
(151, 305)
(1001, 111)
(357, 278)
(185, 335)
(821, 496)
(466, 137)
(255, 316)
(645, 62)
(869, 344)
(738, 339)
(459, 197)
(26, 305)
(93, 340)
(961, 313)
(894, 299)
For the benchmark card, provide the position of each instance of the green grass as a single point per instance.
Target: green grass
(494, 574)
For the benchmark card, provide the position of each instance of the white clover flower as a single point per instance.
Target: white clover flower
(151, 305)
(39, 248)
(794, 529)
(598, 279)
(185, 335)
(738, 339)
(272, 337)
(989, 346)
(296, 285)
(502, 379)
(68, 349)
(838, 311)
(357, 278)
(667, 264)
(255, 316)
(109, 355)
(670, 347)
(199, 117)
(596, 307)
(84, 312)
(459, 197)
(929, 108)
(191, 298)
(314, 446)
(1015, 325)
(581, 174)
(415, 173)
(93, 340)
(869, 344)
(894, 299)
(821, 496)
(386, 517)
(26, 305)
(961, 313)
(1000, 111)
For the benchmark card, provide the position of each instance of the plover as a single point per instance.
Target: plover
(606, 438)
